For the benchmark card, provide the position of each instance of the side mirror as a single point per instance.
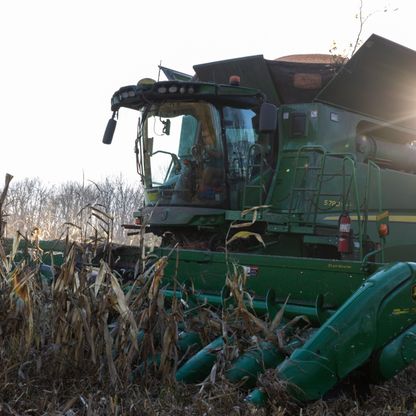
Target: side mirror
(268, 118)
(109, 131)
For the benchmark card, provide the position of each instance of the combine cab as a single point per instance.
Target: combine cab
(300, 171)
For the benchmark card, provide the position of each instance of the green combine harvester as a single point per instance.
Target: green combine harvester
(302, 171)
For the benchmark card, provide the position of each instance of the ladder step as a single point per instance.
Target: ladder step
(255, 187)
(329, 194)
(335, 174)
(309, 167)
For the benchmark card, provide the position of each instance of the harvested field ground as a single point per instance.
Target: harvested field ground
(84, 396)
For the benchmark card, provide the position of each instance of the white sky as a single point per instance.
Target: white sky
(62, 61)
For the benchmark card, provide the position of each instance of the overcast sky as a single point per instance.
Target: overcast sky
(62, 61)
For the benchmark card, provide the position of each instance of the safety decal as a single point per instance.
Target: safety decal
(414, 292)
(251, 271)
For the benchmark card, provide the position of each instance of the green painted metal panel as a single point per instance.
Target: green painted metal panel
(302, 279)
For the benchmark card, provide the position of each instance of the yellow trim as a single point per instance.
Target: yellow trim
(403, 311)
(152, 194)
(392, 218)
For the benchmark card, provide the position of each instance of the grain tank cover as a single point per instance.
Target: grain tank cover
(252, 70)
(378, 81)
(284, 81)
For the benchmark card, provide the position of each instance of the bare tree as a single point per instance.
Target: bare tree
(31, 204)
(362, 17)
(2, 201)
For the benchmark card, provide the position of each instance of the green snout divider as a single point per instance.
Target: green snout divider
(397, 355)
(364, 324)
(198, 367)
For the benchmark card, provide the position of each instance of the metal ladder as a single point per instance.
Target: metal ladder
(312, 194)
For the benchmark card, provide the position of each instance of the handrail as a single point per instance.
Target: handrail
(357, 199)
(375, 167)
(259, 165)
(365, 261)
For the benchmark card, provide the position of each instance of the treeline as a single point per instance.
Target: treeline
(57, 209)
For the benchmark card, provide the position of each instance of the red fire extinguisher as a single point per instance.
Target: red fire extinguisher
(344, 233)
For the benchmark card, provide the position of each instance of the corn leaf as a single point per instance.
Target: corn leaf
(245, 235)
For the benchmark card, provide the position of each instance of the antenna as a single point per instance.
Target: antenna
(158, 75)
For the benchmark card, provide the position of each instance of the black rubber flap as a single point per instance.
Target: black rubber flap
(378, 81)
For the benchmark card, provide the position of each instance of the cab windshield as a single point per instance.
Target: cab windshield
(182, 154)
(183, 161)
